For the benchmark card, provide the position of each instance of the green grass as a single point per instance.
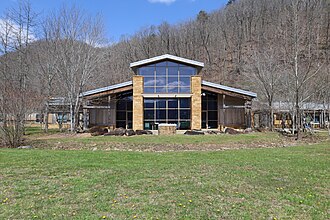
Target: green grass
(282, 183)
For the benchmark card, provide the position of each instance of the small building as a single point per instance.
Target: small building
(315, 114)
(167, 89)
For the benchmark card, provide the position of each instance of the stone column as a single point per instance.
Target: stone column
(196, 102)
(137, 102)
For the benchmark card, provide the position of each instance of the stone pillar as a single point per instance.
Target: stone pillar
(137, 102)
(196, 102)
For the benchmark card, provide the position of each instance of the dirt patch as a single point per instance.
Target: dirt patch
(148, 147)
(60, 142)
(63, 135)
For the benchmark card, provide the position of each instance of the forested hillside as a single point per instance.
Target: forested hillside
(232, 41)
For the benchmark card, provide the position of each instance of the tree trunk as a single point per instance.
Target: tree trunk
(298, 116)
(271, 116)
(46, 116)
(71, 117)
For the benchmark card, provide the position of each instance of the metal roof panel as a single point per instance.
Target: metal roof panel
(103, 89)
(231, 89)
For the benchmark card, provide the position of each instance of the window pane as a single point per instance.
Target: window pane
(149, 81)
(212, 105)
(160, 114)
(160, 89)
(213, 115)
(184, 89)
(203, 116)
(184, 103)
(173, 71)
(120, 115)
(148, 103)
(161, 63)
(185, 114)
(169, 63)
(161, 81)
(121, 124)
(187, 71)
(130, 125)
(173, 114)
(184, 81)
(204, 103)
(212, 124)
(149, 114)
(172, 89)
(161, 103)
(149, 90)
(212, 97)
(160, 71)
(129, 116)
(129, 105)
(146, 71)
(173, 81)
(184, 125)
(172, 103)
(121, 105)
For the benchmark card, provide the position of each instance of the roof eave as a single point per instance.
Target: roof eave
(230, 89)
(103, 89)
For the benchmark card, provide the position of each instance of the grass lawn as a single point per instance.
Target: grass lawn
(281, 183)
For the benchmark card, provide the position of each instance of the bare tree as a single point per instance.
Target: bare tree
(266, 76)
(16, 96)
(77, 38)
(302, 61)
(47, 58)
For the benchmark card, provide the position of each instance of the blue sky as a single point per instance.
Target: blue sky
(125, 17)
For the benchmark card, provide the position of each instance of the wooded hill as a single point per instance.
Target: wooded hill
(231, 40)
(237, 42)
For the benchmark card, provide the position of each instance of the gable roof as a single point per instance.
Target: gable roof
(166, 57)
(230, 89)
(103, 89)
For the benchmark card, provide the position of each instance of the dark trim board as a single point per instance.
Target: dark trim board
(109, 92)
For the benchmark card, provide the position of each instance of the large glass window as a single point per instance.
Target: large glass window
(167, 77)
(210, 110)
(167, 110)
(124, 106)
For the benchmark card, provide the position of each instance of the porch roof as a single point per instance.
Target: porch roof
(107, 88)
(230, 89)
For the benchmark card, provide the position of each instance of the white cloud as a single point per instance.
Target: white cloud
(167, 2)
(11, 30)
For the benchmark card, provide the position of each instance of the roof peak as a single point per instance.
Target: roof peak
(166, 57)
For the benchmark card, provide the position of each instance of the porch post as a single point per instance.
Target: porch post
(137, 103)
(196, 102)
